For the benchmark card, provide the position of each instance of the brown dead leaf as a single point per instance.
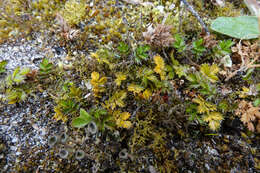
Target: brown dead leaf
(248, 114)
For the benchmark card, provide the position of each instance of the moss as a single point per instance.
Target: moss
(74, 11)
(145, 90)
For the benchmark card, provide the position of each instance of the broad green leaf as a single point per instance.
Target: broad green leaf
(79, 122)
(243, 27)
(84, 115)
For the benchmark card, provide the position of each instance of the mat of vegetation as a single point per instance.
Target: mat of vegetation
(129, 86)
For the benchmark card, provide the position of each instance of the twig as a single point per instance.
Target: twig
(191, 9)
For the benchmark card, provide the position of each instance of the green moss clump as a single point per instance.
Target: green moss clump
(74, 11)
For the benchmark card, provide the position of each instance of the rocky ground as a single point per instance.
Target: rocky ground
(25, 128)
(32, 140)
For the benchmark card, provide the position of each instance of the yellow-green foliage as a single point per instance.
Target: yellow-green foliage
(210, 72)
(67, 101)
(104, 56)
(10, 18)
(153, 90)
(122, 119)
(116, 100)
(135, 88)
(142, 132)
(209, 113)
(204, 106)
(119, 78)
(160, 66)
(15, 95)
(59, 115)
(214, 119)
(74, 11)
(147, 94)
(97, 83)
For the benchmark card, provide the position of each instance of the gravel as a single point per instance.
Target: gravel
(23, 126)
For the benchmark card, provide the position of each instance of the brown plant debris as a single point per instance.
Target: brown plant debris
(248, 54)
(64, 28)
(248, 114)
(210, 41)
(160, 36)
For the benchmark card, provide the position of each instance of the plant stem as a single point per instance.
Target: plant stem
(191, 9)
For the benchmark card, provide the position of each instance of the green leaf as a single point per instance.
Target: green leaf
(198, 47)
(210, 72)
(123, 48)
(243, 27)
(84, 115)
(141, 53)
(2, 66)
(181, 70)
(79, 122)
(179, 43)
(45, 67)
(18, 75)
(257, 102)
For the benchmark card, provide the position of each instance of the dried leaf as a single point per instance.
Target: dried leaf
(248, 114)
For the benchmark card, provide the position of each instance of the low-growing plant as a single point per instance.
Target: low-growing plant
(122, 119)
(205, 79)
(119, 78)
(46, 68)
(15, 95)
(123, 48)
(97, 83)
(68, 101)
(99, 116)
(223, 48)
(193, 113)
(17, 77)
(198, 48)
(141, 53)
(209, 113)
(2, 66)
(74, 11)
(179, 43)
(160, 66)
(116, 100)
(104, 56)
